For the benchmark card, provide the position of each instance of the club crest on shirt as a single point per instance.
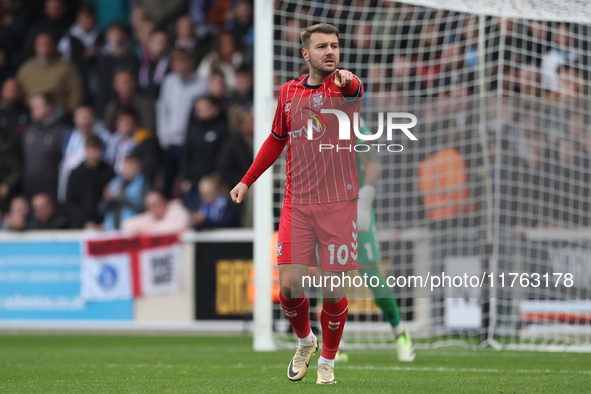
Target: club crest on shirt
(287, 108)
(279, 248)
(317, 100)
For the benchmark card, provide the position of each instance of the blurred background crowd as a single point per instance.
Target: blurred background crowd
(112, 110)
(520, 157)
(124, 114)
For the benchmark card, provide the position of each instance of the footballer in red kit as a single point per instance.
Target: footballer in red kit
(321, 192)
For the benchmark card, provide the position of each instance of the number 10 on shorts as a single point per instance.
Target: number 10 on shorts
(342, 254)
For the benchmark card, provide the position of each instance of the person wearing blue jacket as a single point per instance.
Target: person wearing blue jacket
(124, 195)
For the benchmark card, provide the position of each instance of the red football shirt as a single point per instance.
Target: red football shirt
(321, 169)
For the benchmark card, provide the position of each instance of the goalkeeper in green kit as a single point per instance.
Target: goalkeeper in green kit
(369, 250)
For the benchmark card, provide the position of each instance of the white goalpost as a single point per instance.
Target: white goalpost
(263, 218)
(497, 187)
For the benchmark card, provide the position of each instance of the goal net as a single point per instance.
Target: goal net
(490, 207)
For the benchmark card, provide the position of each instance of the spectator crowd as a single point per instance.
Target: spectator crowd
(131, 115)
(134, 114)
(503, 110)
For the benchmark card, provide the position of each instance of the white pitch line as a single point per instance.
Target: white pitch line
(366, 368)
(439, 369)
(443, 369)
(168, 366)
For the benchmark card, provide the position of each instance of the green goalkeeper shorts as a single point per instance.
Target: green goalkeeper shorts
(369, 247)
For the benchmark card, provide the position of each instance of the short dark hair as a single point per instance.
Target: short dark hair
(124, 70)
(325, 28)
(129, 112)
(567, 67)
(244, 69)
(50, 98)
(159, 31)
(118, 26)
(47, 33)
(216, 72)
(216, 179)
(212, 100)
(133, 157)
(182, 54)
(92, 141)
(87, 9)
(86, 107)
(159, 194)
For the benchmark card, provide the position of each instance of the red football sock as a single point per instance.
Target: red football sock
(333, 319)
(296, 311)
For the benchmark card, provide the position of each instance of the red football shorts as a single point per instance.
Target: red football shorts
(333, 226)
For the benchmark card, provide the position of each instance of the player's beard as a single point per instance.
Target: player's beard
(322, 68)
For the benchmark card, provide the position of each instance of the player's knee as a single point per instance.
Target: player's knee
(289, 288)
(334, 295)
(289, 292)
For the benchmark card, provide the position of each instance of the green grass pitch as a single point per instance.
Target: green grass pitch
(156, 364)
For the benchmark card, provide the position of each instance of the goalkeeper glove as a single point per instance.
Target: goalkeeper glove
(367, 193)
